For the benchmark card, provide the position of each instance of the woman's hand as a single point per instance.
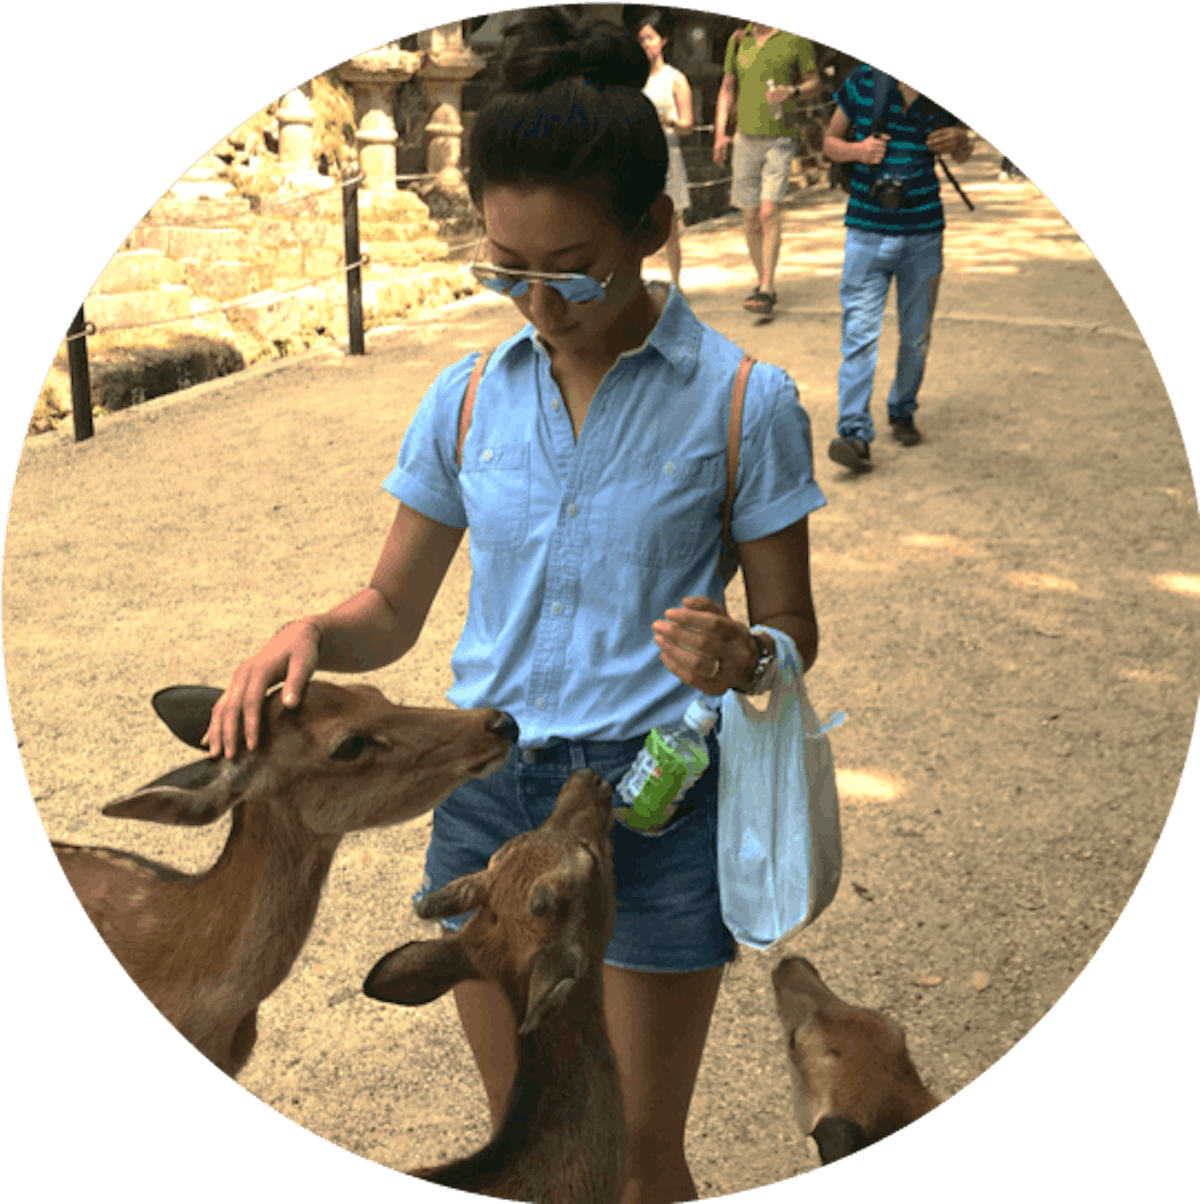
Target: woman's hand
(704, 647)
(291, 656)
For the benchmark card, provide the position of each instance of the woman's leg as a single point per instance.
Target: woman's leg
(674, 255)
(658, 1024)
(491, 1029)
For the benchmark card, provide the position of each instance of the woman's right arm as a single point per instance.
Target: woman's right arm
(373, 628)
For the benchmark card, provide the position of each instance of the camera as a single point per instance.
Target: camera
(888, 190)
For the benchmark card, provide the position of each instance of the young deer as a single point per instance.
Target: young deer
(209, 948)
(853, 1083)
(544, 911)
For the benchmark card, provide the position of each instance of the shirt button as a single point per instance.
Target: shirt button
(556, 608)
(529, 756)
(669, 467)
(554, 402)
(540, 703)
(572, 510)
(487, 455)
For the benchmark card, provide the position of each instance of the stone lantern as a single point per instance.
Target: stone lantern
(448, 63)
(374, 77)
(295, 118)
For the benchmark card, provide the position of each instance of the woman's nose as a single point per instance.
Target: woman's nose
(544, 302)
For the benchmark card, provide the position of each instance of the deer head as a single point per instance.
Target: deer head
(544, 911)
(344, 760)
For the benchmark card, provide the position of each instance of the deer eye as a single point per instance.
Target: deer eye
(350, 749)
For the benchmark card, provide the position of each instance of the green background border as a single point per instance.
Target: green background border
(105, 106)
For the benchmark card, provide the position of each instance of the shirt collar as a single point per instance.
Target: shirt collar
(675, 336)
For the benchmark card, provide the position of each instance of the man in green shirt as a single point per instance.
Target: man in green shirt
(765, 142)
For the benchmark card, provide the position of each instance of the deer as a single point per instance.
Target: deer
(853, 1082)
(543, 915)
(208, 948)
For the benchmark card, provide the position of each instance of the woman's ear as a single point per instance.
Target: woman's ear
(658, 224)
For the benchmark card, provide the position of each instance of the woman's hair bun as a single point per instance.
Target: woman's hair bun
(553, 46)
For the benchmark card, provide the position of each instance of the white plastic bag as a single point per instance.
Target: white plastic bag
(779, 847)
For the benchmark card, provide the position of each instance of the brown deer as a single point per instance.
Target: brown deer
(853, 1083)
(208, 948)
(544, 910)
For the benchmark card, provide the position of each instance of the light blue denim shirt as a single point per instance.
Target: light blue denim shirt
(577, 547)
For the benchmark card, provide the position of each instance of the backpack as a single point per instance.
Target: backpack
(840, 173)
(729, 558)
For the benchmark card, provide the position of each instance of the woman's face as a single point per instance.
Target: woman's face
(550, 228)
(650, 41)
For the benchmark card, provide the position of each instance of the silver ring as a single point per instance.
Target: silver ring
(716, 666)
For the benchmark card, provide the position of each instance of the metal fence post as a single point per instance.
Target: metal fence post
(81, 385)
(354, 304)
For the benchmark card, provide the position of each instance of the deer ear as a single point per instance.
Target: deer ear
(188, 797)
(186, 710)
(555, 970)
(455, 899)
(418, 972)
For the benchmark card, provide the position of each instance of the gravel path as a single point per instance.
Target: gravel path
(1007, 615)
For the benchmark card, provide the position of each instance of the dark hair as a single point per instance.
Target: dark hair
(658, 22)
(570, 110)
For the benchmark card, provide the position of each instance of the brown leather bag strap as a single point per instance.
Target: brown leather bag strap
(468, 402)
(736, 403)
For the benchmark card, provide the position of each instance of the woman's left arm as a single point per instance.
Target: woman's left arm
(683, 103)
(712, 652)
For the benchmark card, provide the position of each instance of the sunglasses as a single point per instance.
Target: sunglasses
(574, 287)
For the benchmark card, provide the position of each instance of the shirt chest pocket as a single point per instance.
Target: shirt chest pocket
(662, 514)
(495, 488)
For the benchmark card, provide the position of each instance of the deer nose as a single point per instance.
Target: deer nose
(504, 725)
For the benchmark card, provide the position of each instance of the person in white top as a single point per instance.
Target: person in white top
(671, 94)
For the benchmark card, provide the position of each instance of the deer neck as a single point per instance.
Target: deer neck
(259, 899)
(566, 1082)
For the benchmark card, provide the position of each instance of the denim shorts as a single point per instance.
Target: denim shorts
(669, 909)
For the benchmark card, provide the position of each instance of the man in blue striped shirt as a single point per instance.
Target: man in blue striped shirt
(894, 225)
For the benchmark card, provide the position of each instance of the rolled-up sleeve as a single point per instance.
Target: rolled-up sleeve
(426, 474)
(776, 486)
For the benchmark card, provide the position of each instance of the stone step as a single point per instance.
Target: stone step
(172, 212)
(224, 279)
(137, 271)
(110, 311)
(389, 231)
(405, 254)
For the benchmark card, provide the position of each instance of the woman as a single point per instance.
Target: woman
(592, 480)
(671, 95)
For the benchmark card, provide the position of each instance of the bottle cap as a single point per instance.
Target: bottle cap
(700, 716)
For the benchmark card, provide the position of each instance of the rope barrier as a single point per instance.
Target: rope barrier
(240, 303)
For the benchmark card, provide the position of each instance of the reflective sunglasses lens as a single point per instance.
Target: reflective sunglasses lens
(579, 289)
(506, 286)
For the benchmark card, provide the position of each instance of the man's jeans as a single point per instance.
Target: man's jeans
(870, 263)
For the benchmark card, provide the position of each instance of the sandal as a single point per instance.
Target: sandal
(760, 302)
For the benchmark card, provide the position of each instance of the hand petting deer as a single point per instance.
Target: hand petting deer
(209, 948)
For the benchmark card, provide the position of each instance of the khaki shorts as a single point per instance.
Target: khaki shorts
(761, 167)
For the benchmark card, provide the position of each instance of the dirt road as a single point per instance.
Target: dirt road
(1008, 616)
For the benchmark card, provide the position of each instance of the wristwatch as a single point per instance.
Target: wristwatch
(766, 662)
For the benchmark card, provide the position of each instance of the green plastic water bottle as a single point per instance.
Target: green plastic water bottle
(668, 766)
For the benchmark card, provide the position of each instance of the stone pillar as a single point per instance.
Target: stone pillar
(374, 77)
(296, 119)
(448, 62)
(376, 132)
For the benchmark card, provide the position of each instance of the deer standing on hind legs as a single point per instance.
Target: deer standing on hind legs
(853, 1083)
(208, 948)
(544, 910)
